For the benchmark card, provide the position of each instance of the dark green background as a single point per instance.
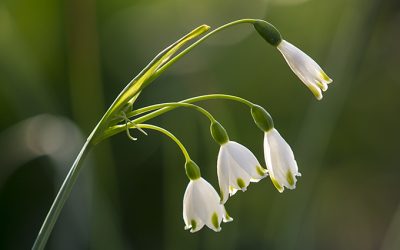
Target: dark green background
(62, 63)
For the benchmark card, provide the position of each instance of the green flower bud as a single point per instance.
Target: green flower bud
(268, 32)
(192, 170)
(262, 118)
(219, 133)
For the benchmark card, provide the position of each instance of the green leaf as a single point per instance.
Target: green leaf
(140, 81)
(130, 93)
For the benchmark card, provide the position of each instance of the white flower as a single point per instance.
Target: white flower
(309, 72)
(201, 206)
(236, 168)
(282, 167)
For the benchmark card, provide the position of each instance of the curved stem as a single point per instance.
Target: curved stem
(167, 133)
(129, 94)
(118, 128)
(166, 105)
(195, 44)
(170, 62)
(162, 67)
(189, 100)
(62, 196)
(154, 107)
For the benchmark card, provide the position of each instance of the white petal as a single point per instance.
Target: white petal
(229, 173)
(280, 160)
(240, 179)
(236, 168)
(201, 206)
(245, 159)
(199, 226)
(227, 217)
(268, 161)
(309, 72)
(213, 206)
(189, 208)
(223, 173)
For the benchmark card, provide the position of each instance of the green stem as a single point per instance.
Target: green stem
(131, 91)
(187, 101)
(170, 62)
(167, 133)
(62, 196)
(195, 44)
(119, 128)
(165, 105)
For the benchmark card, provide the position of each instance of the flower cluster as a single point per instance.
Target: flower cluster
(237, 167)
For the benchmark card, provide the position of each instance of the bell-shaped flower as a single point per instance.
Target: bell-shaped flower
(201, 206)
(309, 72)
(236, 168)
(281, 165)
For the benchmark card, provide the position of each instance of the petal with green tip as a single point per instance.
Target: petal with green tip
(236, 168)
(202, 206)
(305, 68)
(281, 164)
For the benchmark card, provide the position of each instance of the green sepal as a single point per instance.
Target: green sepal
(262, 118)
(219, 133)
(192, 170)
(268, 32)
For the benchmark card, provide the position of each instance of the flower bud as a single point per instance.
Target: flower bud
(192, 170)
(219, 133)
(268, 32)
(262, 118)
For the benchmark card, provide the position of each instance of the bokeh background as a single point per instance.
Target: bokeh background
(62, 63)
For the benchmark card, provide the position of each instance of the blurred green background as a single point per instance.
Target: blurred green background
(62, 63)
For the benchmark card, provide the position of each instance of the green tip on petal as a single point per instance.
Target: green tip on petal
(261, 171)
(326, 77)
(194, 224)
(215, 221)
(290, 178)
(322, 86)
(277, 185)
(228, 218)
(316, 91)
(241, 183)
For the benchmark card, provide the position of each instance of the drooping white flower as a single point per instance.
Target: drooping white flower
(201, 206)
(236, 168)
(281, 165)
(309, 72)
